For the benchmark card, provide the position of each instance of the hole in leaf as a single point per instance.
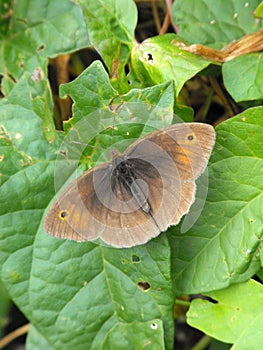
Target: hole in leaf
(154, 325)
(127, 69)
(149, 57)
(135, 258)
(41, 48)
(143, 285)
(64, 153)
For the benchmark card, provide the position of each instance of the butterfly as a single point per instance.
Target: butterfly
(139, 194)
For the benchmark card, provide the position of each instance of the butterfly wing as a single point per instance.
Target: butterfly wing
(69, 216)
(188, 144)
(87, 210)
(180, 154)
(167, 161)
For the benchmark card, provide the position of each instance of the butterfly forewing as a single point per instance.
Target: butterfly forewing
(189, 145)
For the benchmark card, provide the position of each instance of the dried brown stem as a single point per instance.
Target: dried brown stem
(247, 44)
(13, 335)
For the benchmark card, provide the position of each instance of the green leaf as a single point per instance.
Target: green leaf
(215, 23)
(159, 59)
(259, 11)
(94, 106)
(5, 304)
(5, 10)
(25, 153)
(125, 335)
(36, 341)
(223, 247)
(243, 77)
(219, 23)
(136, 336)
(90, 91)
(236, 317)
(111, 26)
(94, 290)
(37, 30)
(75, 294)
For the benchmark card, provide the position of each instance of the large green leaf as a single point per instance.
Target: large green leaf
(215, 23)
(87, 92)
(159, 59)
(243, 77)
(223, 246)
(259, 10)
(82, 294)
(76, 294)
(234, 316)
(36, 30)
(36, 341)
(111, 25)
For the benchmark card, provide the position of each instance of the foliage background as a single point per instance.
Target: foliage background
(89, 296)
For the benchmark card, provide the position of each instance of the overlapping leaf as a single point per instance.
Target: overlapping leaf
(234, 316)
(51, 280)
(219, 23)
(215, 23)
(159, 59)
(33, 32)
(223, 247)
(75, 294)
(111, 26)
(243, 77)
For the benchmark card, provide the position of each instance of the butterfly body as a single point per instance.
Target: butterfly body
(125, 172)
(139, 194)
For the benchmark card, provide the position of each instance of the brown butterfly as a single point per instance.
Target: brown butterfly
(138, 194)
